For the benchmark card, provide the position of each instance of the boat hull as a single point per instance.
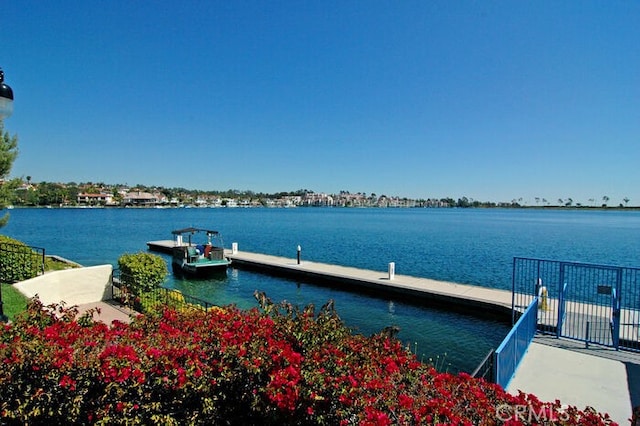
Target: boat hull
(200, 269)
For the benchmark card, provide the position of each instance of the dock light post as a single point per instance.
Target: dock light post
(6, 109)
(299, 250)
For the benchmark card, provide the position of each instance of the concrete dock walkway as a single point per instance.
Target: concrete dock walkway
(476, 298)
(598, 377)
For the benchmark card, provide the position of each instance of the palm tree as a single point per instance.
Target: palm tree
(605, 200)
(626, 201)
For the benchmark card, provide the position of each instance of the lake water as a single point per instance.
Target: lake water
(472, 246)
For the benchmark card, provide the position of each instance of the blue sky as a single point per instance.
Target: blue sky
(492, 100)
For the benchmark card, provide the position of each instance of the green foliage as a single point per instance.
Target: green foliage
(8, 151)
(49, 194)
(8, 154)
(142, 272)
(18, 261)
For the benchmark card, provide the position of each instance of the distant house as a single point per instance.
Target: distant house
(317, 200)
(24, 187)
(139, 198)
(94, 199)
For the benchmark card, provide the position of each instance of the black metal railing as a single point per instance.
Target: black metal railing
(485, 370)
(19, 262)
(152, 301)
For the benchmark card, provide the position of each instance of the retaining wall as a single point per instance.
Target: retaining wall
(72, 286)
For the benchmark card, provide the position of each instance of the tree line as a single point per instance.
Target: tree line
(19, 192)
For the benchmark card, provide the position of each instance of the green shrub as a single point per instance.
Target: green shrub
(142, 272)
(18, 262)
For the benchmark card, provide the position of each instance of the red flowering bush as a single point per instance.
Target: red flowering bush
(278, 365)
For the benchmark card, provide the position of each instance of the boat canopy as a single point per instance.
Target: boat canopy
(193, 231)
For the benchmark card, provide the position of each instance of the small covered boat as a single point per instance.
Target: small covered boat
(198, 252)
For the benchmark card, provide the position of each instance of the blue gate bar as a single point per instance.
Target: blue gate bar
(514, 346)
(604, 296)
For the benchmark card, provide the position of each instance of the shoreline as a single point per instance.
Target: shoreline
(161, 206)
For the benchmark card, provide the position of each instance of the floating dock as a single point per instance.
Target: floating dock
(471, 299)
(162, 246)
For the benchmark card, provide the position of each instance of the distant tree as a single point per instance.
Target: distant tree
(117, 196)
(537, 200)
(605, 200)
(463, 202)
(50, 194)
(560, 201)
(71, 194)
(92, 189)
(8, 154)
(626, 201)
(569, 202)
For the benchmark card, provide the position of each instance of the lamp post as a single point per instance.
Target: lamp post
(6, 108)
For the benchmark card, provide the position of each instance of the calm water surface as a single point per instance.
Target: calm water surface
(471, 246)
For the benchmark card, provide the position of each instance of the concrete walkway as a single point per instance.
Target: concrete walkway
(597, 377)
(483, 299)
(110, 311)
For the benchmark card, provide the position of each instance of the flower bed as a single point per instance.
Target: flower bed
(278, 365)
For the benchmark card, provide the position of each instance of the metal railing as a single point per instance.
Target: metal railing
(20, 262)
(485, 369)
(512, 349)
(588, 302)
(151, 301)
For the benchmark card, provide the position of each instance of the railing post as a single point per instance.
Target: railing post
(43, 259)
(586, 337)
(513, 292)
(615, 316)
